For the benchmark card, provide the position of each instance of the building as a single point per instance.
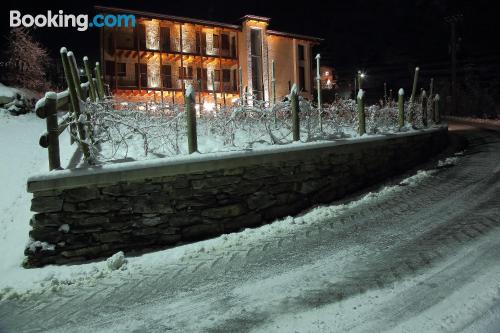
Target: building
(164, 53)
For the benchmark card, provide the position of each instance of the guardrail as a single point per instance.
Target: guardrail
(69, 100)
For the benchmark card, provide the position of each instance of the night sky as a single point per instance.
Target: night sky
(357, 34)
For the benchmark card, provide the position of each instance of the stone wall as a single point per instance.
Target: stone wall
(93, 213)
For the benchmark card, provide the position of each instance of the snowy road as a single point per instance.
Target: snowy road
(422, 255)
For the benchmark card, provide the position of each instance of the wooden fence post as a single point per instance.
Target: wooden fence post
(73, 69)
(401, 108)
(75, 103)
(189, 107)
(413, 94)
(88, 73)
(424, 108)
(100, 85)
(294, 99)
(53, 131)
(361, 112)
(437, 116)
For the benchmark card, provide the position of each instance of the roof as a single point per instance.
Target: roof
(292, 35)
(256, 18)
(204, 22)
(166, 17)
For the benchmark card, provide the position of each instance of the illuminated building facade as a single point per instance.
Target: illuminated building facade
(158, 58)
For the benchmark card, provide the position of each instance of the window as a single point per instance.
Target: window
(302, 78)
(225, 42)
(121, 69)
(166, 71)
(110, 67)
(186, 71)
(301, 52)
(165, 38)
(226, 75)
(216, 41)
(217, 75)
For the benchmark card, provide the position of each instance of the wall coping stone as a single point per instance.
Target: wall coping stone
(140, 170)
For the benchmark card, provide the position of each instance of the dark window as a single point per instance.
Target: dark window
(141, 74)
(198, 42)
(110, 67)
(121, 69)
(233, 47)
(217, 75)
(216, 41)
(198, 78)
(166, 71)
(302, 78)
(226, 75)
(235, 80)
(205, 79)
(141, 31)
(225, 42)
(203, 42)
(165, 38)
(187, 72)
(301, 52)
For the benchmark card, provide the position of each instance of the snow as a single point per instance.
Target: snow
(401, 92)
(64, 228)
(206, 157)
(23, 157)
(436, 98)
(361, 93)
(116, 261)
(190, 91)
(21, 283)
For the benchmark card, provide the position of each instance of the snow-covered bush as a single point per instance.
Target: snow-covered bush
(144, 130)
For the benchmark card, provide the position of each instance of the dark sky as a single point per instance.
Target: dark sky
(356, 33)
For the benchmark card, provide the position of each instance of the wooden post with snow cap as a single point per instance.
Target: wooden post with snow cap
(318, 84)
(189, 101)
(437, 116)
(73, 68)
(52, 130)
(75, 103)
(88, 73)
(100, 85)
(294, 103)
(413, 94)
(401, 108)
(361, 112)
(424, 108)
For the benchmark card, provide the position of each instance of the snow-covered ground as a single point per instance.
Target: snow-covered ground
(21, 157)
(418, 255)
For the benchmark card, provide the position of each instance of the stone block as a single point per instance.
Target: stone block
(46, 204)
(224, 211)
(80, 194)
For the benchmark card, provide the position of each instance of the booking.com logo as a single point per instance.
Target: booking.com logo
(62, 20)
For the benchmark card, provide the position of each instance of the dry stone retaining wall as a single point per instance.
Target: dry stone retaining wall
(93, 213)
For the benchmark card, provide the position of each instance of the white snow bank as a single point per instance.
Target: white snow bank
(116, 261)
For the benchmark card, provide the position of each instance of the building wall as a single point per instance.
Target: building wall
(85, 214)
(282, 49)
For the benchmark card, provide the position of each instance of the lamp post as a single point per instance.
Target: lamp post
(318, 83)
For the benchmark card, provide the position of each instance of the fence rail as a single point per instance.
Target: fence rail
(69, 100)
(94, 118)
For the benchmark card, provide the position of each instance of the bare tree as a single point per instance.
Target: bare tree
(28, 60)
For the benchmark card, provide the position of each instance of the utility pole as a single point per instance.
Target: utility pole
(452, 21)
